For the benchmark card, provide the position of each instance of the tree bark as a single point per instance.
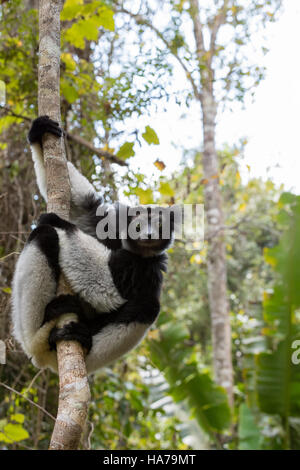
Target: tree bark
(217, 272)
(216, 264)
(74, 391)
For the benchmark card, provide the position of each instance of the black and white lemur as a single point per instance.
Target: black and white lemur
(116, 283)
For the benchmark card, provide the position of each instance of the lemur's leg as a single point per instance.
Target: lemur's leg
(34, 286)
(83, 194)
(79, 331)
(85, 263)
(116, 333)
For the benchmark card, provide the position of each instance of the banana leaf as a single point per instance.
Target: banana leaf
(278, 371)
(206, 401)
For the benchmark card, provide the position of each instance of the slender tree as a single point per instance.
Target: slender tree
(218, 69)
(73, 387)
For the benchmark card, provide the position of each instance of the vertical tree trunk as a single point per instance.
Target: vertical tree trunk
(73, 384)
(217, 274)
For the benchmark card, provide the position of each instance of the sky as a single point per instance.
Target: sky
(271, 123)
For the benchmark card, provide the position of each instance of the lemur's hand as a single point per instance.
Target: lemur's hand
(40, 126)
(55, 221)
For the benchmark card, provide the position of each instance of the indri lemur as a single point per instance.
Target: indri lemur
(116, 282)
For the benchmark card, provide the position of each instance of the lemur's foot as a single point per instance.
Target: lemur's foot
(55, 221)
(61, 305)
(73, 331)
(40, 126)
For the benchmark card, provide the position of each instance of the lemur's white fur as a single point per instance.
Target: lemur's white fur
(32, 275)
(80, 186)
(113, 342)
(80, 261)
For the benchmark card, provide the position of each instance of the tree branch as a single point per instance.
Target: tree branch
(219, 20)
(79, 140)
(197, 27)
(28, 399)
(101, 153)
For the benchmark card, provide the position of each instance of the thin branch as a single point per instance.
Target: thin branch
(79, 140)
(101, 153)
(34, 379)
(219, 20)
(28, 399)
(12, 113)
(195, 14)
(206, 74)
(9, 254)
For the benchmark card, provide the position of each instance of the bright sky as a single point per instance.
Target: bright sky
(271, 124)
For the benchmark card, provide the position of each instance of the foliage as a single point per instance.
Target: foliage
(277, 368)
(11, 429)
(206, 401)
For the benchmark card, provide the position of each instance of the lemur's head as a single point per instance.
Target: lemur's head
(144, 230)
(149, 230)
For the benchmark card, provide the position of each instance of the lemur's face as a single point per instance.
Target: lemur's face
(150, 230)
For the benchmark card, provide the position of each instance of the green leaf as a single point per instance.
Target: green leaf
(249, 433)
(69, 61)
(165, 189)
(106, 18)
(150, 136)
(75, 36)
(69, 91)
(126, 150)
(18, 418)
(13, 433)
(71, 9)
(145, 195)
(7, 290)
(89, 28)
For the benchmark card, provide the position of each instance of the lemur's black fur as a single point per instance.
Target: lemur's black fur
(46, 238)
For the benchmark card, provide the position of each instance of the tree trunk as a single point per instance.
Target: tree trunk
(73, 384)
(217, 275)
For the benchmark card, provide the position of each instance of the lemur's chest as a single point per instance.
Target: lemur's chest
(134, 276)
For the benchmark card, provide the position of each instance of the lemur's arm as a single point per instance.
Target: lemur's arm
(83, 196)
